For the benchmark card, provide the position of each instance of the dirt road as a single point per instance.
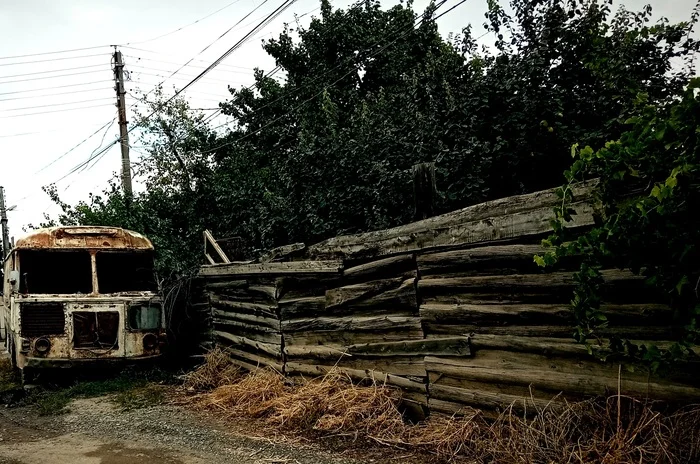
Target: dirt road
(96, 432)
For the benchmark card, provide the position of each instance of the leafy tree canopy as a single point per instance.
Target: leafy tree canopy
(367, 93)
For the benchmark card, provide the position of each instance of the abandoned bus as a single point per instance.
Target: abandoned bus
(74, 295)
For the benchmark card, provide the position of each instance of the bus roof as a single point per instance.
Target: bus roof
(113, 238)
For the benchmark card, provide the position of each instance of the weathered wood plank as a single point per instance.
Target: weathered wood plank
(269, 322)
(484, 399)
(382, 268)
(312, 306)
(253, 332)
(271, 349)
(453, 346)
(588, 385)
(482, 259)
(406, 366)
(583, 365)
(243, 307)
(285, 268)
(561, 331)
(350, 323)
(303, 286)
(356, 374)
(532, 314)
(227, 284)
(341, 338)
(547, 346)
(504, 218)
(253, 359)
(394, 294)
(555, 287)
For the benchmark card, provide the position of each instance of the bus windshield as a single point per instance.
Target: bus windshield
(125, 271)
(55, 271)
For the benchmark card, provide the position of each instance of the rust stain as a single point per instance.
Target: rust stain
(85, 237)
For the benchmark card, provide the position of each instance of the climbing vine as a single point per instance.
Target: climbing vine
(649, 199)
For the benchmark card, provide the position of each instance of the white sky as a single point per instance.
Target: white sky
(39, 26)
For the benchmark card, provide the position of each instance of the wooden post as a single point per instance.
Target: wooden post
(123, 131)
(424, 190)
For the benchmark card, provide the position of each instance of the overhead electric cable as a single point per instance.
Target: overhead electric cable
(186, 26)
(55, 77)
(353, 69)
(53, 111)
(54, 87)
(54, 104)
(52, 59)
(78, 145)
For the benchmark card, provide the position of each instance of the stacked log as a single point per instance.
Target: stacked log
(451, 309)
(365, 324)
(243, 301)
(520, 324)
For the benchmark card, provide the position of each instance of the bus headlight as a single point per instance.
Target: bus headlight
(150, 342)
(42, 346)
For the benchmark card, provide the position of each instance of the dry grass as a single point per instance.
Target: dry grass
(217, 369)
(619, 430)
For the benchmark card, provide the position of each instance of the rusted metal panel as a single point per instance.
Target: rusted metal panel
(113, 238)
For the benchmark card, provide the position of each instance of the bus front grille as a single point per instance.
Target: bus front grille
(38, 319)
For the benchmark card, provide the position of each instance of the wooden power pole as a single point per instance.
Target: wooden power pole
(123, 132)
(3, 224)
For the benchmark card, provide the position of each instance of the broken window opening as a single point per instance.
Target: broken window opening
(96, 329)
(125, 271)
(55, 271)
(144, 316)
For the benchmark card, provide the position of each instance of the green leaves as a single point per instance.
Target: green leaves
(652, 230)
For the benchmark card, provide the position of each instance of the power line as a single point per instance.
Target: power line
(58, 94)
(86, 162)
(21, 134)
(179, 64)
(150, 68)
(55, 104)
(54, 111)
(54, 87)
(257, 28)
(108, 123)
(53, 77)
(215, 41)
(52, 53)
(337, 67)
(353, 69)
(52, 59)
(187, 77)
(186, 26)
(53, 70)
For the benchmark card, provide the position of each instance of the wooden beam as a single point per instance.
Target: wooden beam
(209, 238)
(287, 268)
(507, 218)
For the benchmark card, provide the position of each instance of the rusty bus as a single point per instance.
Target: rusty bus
(80, 295)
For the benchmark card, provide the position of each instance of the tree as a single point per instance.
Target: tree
(367, 93)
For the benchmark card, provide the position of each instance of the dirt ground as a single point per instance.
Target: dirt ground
(95, 431)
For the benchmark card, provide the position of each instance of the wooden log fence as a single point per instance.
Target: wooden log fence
(451, 309)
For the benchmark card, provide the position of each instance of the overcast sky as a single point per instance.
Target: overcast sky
(43, 116)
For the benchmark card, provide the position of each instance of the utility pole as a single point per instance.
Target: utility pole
(3, 223)
(123, 132)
